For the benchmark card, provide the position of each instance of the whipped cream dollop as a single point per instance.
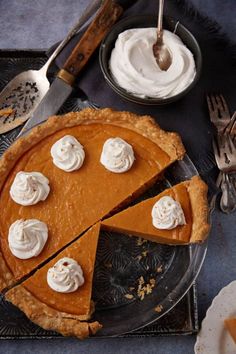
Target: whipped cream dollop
(65, 276)
(117, 155)
(28, 188)
(68, 154)
(27, 238)
(167, 213)
(135, 69)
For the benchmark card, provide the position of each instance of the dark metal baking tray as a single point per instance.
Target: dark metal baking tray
(182, 319)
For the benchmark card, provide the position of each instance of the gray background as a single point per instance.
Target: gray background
(39, 24)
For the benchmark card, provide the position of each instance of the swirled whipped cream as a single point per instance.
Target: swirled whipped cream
(117, 155)
(65, 276)
(27, 238)
(68, 154)
(28, 188)
(135, 69)
(167, 214)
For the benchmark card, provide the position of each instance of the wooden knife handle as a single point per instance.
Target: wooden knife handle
(105, 18)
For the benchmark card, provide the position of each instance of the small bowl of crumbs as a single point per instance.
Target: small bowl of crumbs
(129, 67)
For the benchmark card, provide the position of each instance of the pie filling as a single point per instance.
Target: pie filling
(79, 198)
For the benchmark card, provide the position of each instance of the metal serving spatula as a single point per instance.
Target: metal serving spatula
(22, 95)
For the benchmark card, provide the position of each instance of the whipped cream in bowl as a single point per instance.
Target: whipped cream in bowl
(27, 238)
(68, 154)
(29, 188)
(117, 155)
(65, 276)
(130, 68)
(134, 66)
(167, 214)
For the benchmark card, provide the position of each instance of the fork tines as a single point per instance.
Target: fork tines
(217, 101)
(219, 111)
(225, 153)
(231, 127)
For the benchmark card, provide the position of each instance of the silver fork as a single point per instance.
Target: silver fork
(231, 127)
(219, 112)
(225, 155)
(220, 117)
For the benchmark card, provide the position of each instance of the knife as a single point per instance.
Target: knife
(62, 86)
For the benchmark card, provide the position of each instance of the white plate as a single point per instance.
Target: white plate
(213, 338)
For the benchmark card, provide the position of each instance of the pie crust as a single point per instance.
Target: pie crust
(197, 190)
(136, 220)
(169, 143)
(49, 318)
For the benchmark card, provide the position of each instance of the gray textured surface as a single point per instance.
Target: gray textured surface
(38, 24)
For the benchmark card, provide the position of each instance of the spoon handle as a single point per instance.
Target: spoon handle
(85, 16)
(160, 18)
(228, 198)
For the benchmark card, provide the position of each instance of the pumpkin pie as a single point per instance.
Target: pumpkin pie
(137, 220)
(65, 312)
(80, 198)
(230, 324)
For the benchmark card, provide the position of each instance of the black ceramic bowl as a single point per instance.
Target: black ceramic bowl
(141, 22)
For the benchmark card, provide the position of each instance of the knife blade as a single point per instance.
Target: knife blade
(62, 86)
(50, 104)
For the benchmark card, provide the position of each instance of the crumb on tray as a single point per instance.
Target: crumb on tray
(158, 308)
(145, 289)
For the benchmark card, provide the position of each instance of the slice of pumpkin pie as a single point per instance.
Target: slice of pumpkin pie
(69, 173)
(58, 296)
(179, 215)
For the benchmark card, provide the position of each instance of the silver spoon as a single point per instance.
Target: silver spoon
(160, 50)
(24, 92)
(228, 198)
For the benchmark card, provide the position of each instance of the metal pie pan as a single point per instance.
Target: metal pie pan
(122, 261)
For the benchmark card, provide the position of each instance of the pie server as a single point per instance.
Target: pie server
(62, 86)
(21, 96)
